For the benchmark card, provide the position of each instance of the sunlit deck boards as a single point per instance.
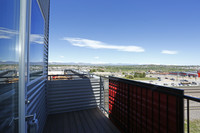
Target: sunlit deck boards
(85, 121)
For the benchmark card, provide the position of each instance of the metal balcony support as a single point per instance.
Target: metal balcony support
(193, 99)
(22, 63)
(100, 91)
(188, 116)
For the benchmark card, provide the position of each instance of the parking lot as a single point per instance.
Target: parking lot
(174, 81)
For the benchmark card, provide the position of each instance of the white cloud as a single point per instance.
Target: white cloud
(4, 37)
(6, 33)
(80, 42)
(96, 57)
(62, 56)
(169, 52)
(36, 38)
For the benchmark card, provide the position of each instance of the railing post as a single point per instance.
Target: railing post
(128, 102)
(102, 81)
(100, 93)
(188, 116)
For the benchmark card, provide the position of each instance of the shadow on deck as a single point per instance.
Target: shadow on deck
(84, 121)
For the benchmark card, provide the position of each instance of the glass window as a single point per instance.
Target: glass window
(9, 62)
(36, 42)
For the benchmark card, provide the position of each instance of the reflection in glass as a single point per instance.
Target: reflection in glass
(9, 59)
(36, 42)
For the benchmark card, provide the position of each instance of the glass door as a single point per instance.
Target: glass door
(9, 65)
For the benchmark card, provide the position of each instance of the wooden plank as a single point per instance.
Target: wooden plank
(108, 122)
(95, 121)
(46, 127)
(66, 123)
(71, 109)
(89, 121)
(99, 118)
(59, 122)
(72, 124)
(52, 127)
(78, 123)
(85, 121)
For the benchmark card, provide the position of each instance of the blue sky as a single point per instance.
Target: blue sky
(125, 31)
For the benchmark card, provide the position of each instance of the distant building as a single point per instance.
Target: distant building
(198, 73)
(189, 74)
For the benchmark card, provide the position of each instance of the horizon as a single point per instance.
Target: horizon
(88, 63)
(123, 64)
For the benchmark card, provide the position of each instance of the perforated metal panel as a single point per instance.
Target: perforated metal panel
(140, 107)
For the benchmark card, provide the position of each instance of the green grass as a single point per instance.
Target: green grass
(194, 126)
(146, 78)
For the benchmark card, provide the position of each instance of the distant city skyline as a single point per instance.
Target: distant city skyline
(127, 32)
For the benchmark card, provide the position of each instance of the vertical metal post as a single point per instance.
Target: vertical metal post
(159, 111)
(167, 113)
(188, 116)
(100, 93)
(152, 111)
(181, 110)
(22, 54)
(103, 104)
(128, 104)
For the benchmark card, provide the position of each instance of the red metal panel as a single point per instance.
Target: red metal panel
(163, 112)
(149, 111)
(172, 117)
(199, 73)
(144, 110)
(156, 112)
(140, 109)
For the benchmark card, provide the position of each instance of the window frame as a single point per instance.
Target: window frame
(29, 82)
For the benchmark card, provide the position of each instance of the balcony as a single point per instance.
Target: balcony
(79, 102)
(83, 121)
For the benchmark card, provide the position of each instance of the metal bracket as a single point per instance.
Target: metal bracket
(27, 118)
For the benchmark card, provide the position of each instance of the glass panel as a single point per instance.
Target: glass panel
(36, 42)
(9, 59)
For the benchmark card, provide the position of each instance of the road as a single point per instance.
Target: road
(193, 91)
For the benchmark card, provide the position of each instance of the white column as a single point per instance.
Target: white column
(22, 61)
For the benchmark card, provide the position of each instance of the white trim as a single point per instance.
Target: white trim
(28, 46)
(44, 33)
(22, 76)
(27, 52)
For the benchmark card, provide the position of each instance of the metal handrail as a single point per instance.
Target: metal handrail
(66, 74)
(80, 75)
(190, 98)
(152, 87)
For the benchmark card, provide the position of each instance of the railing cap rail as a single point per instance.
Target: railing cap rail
(164, 89)
(192, 98)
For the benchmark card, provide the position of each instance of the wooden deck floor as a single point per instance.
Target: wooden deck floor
(85, 121)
